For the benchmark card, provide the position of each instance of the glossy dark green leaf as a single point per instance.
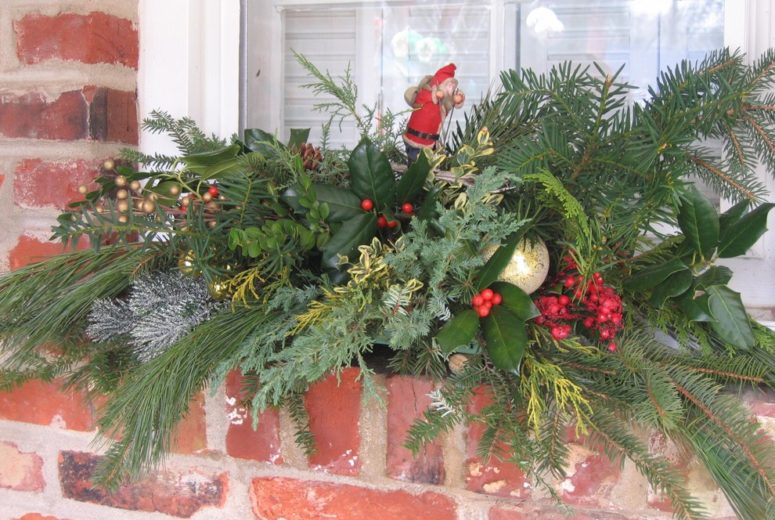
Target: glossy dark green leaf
(291, 197)
(371, 176)
(741, 236)
(699, 221)
(352, 233)
(199, 162)
(506, 338)
(413, 179)
(459, 331)
(674, 285)
(730, 321)
(696, 309)
(516, 300)
(498, 262)
(342, 204)
(732, 215)
(165, 192)
(298, 136)
(715, 275)
(652, 276)
(256, 140)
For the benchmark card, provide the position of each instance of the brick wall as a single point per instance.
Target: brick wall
(68, 73)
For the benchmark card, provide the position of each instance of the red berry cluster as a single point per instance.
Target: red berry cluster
(597, 306)
(382, 222)
(483, 301)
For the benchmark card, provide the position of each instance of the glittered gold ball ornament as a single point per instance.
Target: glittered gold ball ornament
(109, 164)
(121, 181)
(186, 264)
(218, 289)
(528, 266)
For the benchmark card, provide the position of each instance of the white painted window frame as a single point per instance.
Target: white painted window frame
(190, 65)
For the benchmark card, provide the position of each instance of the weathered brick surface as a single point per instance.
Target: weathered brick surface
(39, 184)
(334, 412)
(176, 494)
(38, 402)
(407, 400)
(113, 116)
(549, 513)
(37, 516)
(190, 435)
(35, 117)
(590, 479)
(93, 38)
(20, 471)
(29, 249)
(291, 499)
(242, 441)
(493, 477)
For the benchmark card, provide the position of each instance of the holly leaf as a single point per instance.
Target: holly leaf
(738, 238)
(413, 179)
(427, 210)
(371, 175)
(506, 338)
(715, 275)
(732, 215)
(342, 204)
(351, 234)
(459, 331)
(652, 276)
(256, 140)
(730, 321)
(699, 221)
(696, 309)
(298, 137)
(674, 285)
(498, 261)
(210, 165)
(516, 300)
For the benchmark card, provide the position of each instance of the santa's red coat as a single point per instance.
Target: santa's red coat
(425, 119)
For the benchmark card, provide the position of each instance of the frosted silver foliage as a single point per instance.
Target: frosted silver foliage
(161, 308)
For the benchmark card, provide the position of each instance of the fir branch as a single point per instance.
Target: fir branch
(303, 435)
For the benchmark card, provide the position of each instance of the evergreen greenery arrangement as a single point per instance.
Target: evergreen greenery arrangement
(291, 261)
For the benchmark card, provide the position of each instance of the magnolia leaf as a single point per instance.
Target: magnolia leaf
(516, 300)
(498, 262)
(652, 276)
(696, 309)
(674, 285)
(352, 233)
(730, 321)
(413, 179)
(459, 331)
(298, 136)
(342, 204)
(732, 215)
(715, 275)
(739, 238)
(699, 221)
(506, 338)
(371, 175)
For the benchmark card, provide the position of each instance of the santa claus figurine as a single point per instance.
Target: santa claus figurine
(432, 100)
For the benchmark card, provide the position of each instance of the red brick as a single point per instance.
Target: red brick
(20, 471)
(591, 482)
(242, 441)
(39, 184)
(334, 412)
(494, 477)
(2, 180)
(112, 115)
(93, 38)
(29, 249)
(37, 516)
(38, 402)
(290, 499)
(32, 116)
(407, 400)
(171, 493)
(190, 435)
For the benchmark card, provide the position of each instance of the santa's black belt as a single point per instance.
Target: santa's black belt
(422, 135)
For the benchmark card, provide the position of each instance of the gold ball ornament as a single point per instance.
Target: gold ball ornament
(109, 164)
(123, 219)
(149, 206)
(122, 194)
(135, 186)
(123, 206)
(207, 197)
(218, 289)
(457, 363)
(528, 266)
(121, 181)
(175, 190)
(82, 189)
(186, 264)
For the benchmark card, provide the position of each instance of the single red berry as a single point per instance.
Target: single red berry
(616, 318)
(487, 294)
(213, 190)
(563, 300)
(605, 334)
(569, 281)
(559, 332)
(483, 311)
(612, 346)
(477, 300)
(407, 208)
(367, 204)
(554, 308)
(589, 322)
(382, 222)
(497, 299)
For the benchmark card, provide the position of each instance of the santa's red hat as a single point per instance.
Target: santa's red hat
(444, 73)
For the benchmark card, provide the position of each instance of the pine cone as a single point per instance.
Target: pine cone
(310, 155)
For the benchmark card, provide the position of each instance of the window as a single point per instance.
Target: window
(391, 45)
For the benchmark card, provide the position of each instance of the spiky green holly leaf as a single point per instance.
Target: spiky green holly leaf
(506, 338)
(354, 232)
(740, 237)
(730, 321)
(516, 300)
(371, 176)
(458, 331)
